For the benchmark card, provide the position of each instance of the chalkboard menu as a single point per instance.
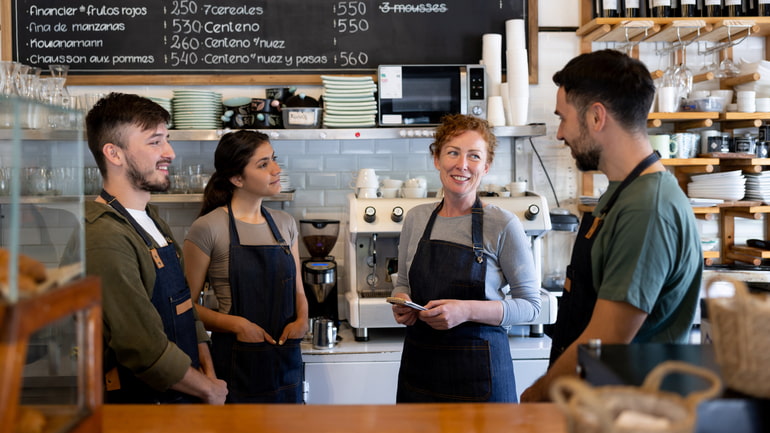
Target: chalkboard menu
(247, 36)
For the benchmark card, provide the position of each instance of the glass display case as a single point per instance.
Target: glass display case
(50, 339)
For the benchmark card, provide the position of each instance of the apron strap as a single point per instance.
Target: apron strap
(276, 233)
(235, 239)
(112, 201)
(646, 162)
(477, 227)
(596, 222)
(477, 230)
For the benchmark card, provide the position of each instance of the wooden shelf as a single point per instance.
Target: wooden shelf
(663, 29)
(703, 119)
(679, 32)
(730, 252)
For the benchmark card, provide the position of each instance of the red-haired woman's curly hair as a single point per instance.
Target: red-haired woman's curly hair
(453, 125)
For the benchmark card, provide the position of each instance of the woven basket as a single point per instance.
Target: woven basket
(741, 335)
(629, 409)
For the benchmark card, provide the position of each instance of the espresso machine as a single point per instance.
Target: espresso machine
(319, 272)
(371, 256)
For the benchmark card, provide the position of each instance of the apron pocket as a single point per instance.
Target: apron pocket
(461, 371)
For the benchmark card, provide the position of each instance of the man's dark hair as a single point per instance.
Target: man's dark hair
(106, 121)
(621, 83)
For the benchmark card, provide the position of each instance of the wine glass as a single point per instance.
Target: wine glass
(727, 67)
(684, 75)
(6, 74)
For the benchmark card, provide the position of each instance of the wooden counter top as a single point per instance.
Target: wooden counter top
(403, 418)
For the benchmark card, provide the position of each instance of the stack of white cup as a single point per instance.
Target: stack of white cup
(415, 188)
(390, 187)
(366, 183)
(746, 100)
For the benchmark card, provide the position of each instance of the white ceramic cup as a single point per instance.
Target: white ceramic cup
(389, 192)
(392, 183)
(517, 189)
(366, 178)
(668, 99)
(417, 192)
(665, 146)
(412, 183)
(367, 193)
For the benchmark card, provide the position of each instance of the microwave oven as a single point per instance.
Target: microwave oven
(422, 94)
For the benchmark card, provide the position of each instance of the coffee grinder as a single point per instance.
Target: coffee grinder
(319, 273)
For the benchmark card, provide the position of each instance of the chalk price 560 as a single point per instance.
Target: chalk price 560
(353, 59)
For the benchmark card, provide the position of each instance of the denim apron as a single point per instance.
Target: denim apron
(579, 297)
(263, 285)
(171, 298)
(470, 362)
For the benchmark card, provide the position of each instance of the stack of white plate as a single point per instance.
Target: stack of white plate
(729, 185)
(762, 85)
(349, 102)
(758, 186)
(165, 103)
(197, 109)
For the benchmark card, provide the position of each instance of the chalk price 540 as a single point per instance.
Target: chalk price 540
(183, 58)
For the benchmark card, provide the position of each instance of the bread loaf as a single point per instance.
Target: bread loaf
(29, 420)
(31, 272)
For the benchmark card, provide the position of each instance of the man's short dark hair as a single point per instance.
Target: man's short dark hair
(107, 120)
(621, 83)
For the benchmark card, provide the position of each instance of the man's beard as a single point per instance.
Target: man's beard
(139, 180)
(587, 159)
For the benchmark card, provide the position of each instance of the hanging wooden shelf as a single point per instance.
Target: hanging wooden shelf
(680, 31)
(628, 31)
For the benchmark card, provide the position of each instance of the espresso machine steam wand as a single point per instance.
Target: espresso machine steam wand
(371, 279)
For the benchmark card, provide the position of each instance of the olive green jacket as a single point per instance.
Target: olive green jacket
(133, 332)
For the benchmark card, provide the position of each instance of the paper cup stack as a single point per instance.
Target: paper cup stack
(517, 67)
(492, 58)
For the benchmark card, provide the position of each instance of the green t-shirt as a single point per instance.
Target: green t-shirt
(648, 254)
